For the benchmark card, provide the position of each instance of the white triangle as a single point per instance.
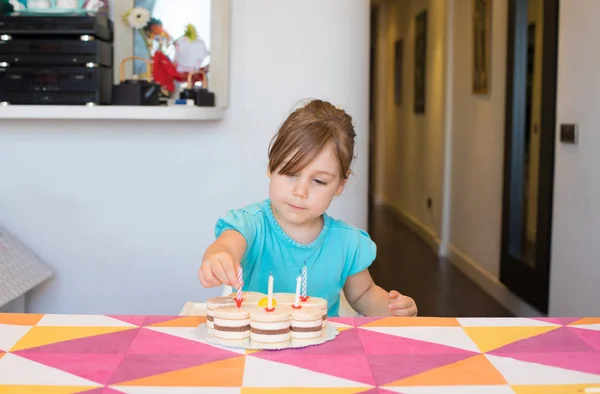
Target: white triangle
(503, 322)
(82, 321)
(526, 373)
(338, 325)
(594, 327)
(191, 333)
(16, 370)
(451, 389)
(265, 373)
(448, 336)
(10, 335)
(177, 390)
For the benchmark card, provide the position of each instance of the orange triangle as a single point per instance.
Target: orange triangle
(584, 321)
(414, 322)
(302, 390)
(224, 373)
(554, 389)
(476, 370)
(186, 321)
(2, 354)
(45, 389)
(20, 319)
(45, 335)
(491, 338)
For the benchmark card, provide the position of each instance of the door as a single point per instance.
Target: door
(529, 149)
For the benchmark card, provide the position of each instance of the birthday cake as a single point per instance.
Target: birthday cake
(275, 319)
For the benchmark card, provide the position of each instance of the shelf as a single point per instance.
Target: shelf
(110, 112)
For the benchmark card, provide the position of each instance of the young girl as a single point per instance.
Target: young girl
(309, 164)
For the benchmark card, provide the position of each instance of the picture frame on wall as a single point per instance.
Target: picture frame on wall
(398, 70)
(420, 61)
(482, 34)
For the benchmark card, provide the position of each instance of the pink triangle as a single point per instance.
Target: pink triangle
(361, 321)
(102, 390)
(379, 343)
(95, 367)
(559, 340)
(152, 342)
(347, 342)
(137, 366)
(114, 342)
(131, 319)
(563, 321)
(349, 321)
(389, 368)
(158, 319)
(591, 337)
(588, 362)
(353, 367)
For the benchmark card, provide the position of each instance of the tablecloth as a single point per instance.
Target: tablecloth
(162, 354)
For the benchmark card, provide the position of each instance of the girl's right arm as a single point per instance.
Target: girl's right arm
(222, 259)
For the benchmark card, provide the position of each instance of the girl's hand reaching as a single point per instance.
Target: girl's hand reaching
(217, 269)
(401, 305)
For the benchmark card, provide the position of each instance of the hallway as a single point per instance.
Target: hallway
(408, 264)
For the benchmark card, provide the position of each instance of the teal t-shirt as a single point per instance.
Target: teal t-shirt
(339, 251)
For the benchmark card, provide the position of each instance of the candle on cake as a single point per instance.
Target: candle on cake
(304, 274)
(297, 297)
(238, 298)
(270, 294)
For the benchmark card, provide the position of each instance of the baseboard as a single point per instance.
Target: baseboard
(491, 285)
(418, 227)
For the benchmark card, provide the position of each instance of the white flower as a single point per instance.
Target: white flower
(138, 18)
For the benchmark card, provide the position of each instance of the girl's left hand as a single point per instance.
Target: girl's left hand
(401, 305)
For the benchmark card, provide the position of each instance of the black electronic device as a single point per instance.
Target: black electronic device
(56, 85)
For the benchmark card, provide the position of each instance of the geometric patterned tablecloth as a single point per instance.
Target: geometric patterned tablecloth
(161, 354)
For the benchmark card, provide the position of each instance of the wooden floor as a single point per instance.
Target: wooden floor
(407, 264)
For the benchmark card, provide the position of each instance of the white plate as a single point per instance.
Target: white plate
(206, 334)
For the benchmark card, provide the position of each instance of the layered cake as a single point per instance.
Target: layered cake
(270, 326)
(212, 304)
(232, 322)
(254, 320)
(311, 302)
(306, 323)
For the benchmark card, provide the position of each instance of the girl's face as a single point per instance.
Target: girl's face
(302, 198)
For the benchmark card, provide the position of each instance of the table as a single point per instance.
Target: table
(161, 354)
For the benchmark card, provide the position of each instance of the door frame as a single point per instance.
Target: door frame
(532, 284)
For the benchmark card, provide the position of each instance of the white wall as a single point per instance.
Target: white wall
(575, 269)
(410, 147)
(478, 145)
(123, 210)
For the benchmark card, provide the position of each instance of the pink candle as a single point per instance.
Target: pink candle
(238, 298)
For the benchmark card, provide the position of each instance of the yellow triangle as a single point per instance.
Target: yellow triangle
(46, 335)
(224, 373)
(44, 389)
(186, 321)
(303, 390)
(252, 351)
(476, 370)
(340, 329)
(554, 389)
(491, 338)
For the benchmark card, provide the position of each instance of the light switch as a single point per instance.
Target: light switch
(568, 133)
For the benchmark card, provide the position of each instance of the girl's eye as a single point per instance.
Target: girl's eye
(320, 182)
